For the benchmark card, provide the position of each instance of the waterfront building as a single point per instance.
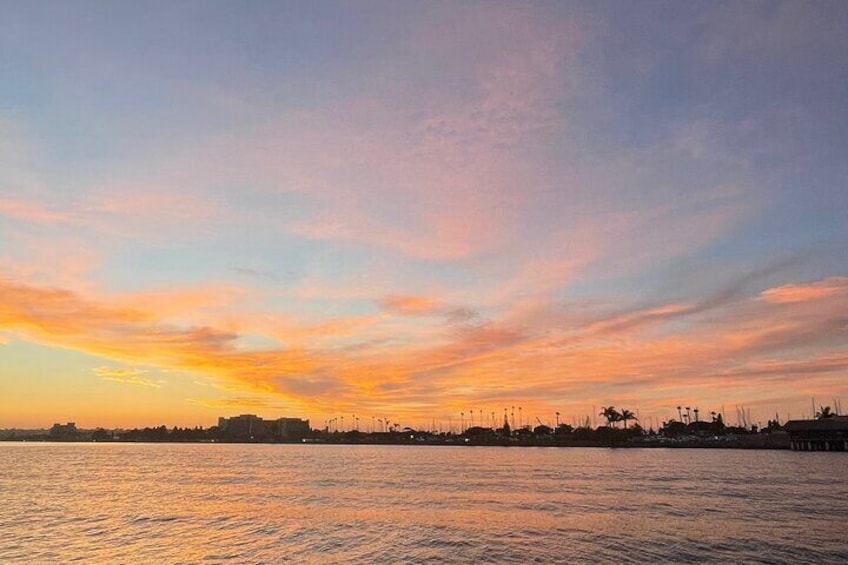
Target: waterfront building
(253, 427)
(823, 434)
(63, 430)
(243, 425)
(291, 428)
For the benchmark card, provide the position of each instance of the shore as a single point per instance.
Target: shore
(753, 441)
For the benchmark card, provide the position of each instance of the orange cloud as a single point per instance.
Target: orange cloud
(411, 305)
(803, 292)
(727, 347)
(61, 317)
(228, 403)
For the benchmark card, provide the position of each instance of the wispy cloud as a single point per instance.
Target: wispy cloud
(127, 376)
(30, 211)
(255, 273)
(744, 342)
(227, 403)
(802, 292)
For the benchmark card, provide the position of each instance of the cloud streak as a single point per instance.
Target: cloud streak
(127, 376)
(745, 343)
(803, 292)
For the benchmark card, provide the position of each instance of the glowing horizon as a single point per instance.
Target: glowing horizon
(412, 211)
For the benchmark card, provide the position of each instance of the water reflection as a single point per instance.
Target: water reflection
(274, 503)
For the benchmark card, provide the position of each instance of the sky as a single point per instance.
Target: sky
(411, 210)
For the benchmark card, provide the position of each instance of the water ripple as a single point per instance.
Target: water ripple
(166, 503)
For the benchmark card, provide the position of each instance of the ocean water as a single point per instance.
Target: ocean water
(200, 503)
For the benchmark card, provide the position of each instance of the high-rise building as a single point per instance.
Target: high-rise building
(292, 428)
(252, 426)
(63, 430)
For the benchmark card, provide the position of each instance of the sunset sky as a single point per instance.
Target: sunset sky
(413, 209)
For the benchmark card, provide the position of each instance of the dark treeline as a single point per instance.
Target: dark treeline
(686, 432)
(672, 433)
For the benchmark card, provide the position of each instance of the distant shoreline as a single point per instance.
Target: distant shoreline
(747, 442)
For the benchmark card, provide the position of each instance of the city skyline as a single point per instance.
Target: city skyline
(413, 210)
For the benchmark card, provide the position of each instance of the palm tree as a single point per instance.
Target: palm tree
(611, 414)
(627, 415)
(679, 414)
(824, 413)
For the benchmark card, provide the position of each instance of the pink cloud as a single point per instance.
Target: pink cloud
(65, 261)
(803, 292)
(177, 301)
(31, 211)
(429, 174)
(157, 208)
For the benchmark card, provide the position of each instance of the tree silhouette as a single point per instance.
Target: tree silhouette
(627, 415)
(611, 414)
(824, 413)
